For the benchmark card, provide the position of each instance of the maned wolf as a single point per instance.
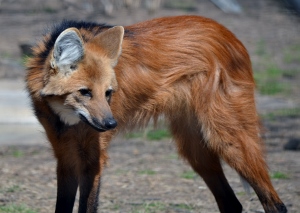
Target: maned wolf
(85, 79)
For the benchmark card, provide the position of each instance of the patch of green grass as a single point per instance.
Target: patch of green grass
(274, 72)
(271, 88)
(6, 55)
(121, 172)
(188, 175)
(116, 207)
(14, 188)
(158, 134)
(132, 135)
(261, 48)
(149, 133)
(186, 5)
(241, 193)
(147, 172)
(16, 208)
(292, 54)
(182, 206)
(294, 112)
(173, 156)
(269, 81)
(151, 207)
(271, 75)
(155, 206)
(279, 175)
(17, 153)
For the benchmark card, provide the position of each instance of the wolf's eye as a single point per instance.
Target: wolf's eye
(108, 94)
(86, 92)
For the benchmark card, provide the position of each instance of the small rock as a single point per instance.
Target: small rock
(292, 144)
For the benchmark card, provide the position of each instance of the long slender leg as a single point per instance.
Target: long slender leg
(248, 161)
(208, 166)
(232, 132)
(67, 185)
(192, 147)
(89, 193)
(93, 160)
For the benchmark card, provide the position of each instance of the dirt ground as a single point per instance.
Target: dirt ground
(145, 175)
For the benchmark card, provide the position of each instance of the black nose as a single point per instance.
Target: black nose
(110, 123)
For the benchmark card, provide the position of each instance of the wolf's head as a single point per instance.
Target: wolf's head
(81, 79)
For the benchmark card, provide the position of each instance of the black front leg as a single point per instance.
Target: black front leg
(89, 191)
(67, 185)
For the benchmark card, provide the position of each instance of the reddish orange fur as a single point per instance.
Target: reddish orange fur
(194, 72)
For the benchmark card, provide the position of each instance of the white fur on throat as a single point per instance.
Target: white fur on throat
(65, 113)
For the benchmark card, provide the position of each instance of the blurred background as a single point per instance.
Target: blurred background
(270, 30)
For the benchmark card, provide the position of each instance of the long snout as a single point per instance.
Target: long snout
(98, 115)
(104, 125)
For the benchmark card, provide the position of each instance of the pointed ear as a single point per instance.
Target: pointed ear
(111, 42)
(68, 50)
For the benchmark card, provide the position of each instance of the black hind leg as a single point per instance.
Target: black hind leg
(208, 166)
